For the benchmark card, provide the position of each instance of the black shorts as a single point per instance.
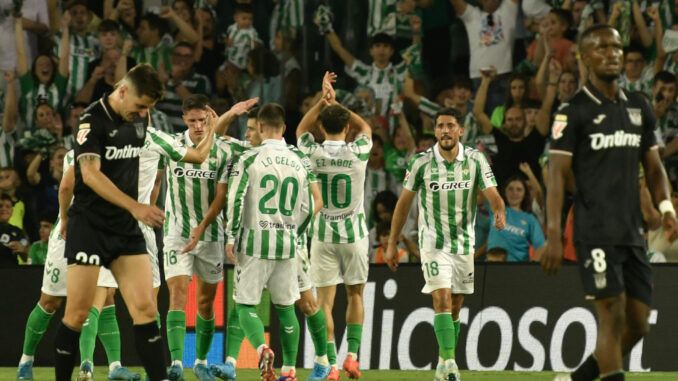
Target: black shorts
(610, 270)
(87, 245)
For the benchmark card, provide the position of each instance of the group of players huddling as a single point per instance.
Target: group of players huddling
(277, 195)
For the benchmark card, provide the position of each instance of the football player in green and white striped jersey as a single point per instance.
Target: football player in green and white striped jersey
(270, 204)
(84, 47)
(446, 179)
(340, 243)
(315, 317)
(194, 235)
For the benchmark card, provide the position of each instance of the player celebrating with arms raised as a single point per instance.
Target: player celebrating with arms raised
(339, 248)
(446, 177)
(601, 135)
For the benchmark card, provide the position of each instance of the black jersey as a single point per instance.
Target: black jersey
(117, 143)
(607, 140)
(10, 233)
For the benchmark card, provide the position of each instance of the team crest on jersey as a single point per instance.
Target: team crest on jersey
(635, 116)
(140, 130)
(83, 131)
(558, 126)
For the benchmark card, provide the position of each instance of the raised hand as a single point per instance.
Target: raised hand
(244, 106)
(127, 47)
(9, 76)
(329, 95)
(166, 12)
(65, 19)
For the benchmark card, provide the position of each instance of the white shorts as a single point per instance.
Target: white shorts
(54, 273)
(303, 269)
(206, 260)
(106, 278)
(444, 270)
(253, 274)
(335, 263)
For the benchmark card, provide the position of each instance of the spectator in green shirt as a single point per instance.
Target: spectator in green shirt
(38, 251)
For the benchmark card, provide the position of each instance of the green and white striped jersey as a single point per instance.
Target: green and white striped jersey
(377, 180)
(154, 55)
(340, 168)
(243, 42)
(644, 83)
(33, 93)
(171, 105)
(7, 142)
(471, 130)
(381, 17)
(269, 200)
(83, 50)
(160, 121)
(447, 197)
(386, 83)
(286, 14)
(191, 189)
(158, 145)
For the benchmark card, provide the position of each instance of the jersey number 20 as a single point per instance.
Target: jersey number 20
(285, 191)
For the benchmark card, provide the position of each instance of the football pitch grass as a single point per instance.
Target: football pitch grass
(100, 374)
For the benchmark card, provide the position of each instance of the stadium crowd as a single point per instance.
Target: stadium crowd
(506, 65)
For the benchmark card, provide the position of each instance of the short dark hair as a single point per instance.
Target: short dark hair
(634, 48)
(108, 26)
(565, 16)
(383, 228)
(195, 101)
(381, 38)
(252, 114)
(665, 76)
(386, 198)
(243, 8)
(146, 81)
(5, 197)
(450, 111)
(271, 115)
(589, 31)
(462, 81)
(334, 118)
(532, 103)
(77, 104)
(72, 3)
(48, 217)
(377, 140)
(155, 22)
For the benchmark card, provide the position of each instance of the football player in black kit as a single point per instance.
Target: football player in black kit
(102, 227)
(602, 134)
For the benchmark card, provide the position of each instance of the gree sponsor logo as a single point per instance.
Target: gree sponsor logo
(618, 139)
(126, 152)
(436, 186)
(195, 173)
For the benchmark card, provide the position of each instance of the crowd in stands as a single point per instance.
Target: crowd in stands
(507, 65)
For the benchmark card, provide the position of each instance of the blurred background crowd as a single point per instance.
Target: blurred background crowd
(505, 64)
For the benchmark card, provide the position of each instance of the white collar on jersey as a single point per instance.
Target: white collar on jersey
(387, 68)
(334, 142)
(275, 142)
(441, 159)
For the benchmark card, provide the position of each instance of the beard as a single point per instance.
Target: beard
(447, 146)
(609, 77)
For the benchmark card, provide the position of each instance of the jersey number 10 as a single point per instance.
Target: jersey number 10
(333, 185)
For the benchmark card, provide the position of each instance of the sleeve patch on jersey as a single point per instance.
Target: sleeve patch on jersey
(83, 126)
(82, 135)
(635, 116)
(558, 127)
(489, 175)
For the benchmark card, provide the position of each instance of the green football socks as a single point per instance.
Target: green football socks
(36, 326)
(204, 332)
(289, 334)
(88, 335)
(176, 334)
(444, 329)
(109, 333)
(251, 324)
(354, 333)
(317, 326)
(234, 335)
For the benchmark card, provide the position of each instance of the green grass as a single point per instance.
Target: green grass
(7, 374)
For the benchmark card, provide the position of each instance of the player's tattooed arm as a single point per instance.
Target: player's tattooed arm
(90, 168)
